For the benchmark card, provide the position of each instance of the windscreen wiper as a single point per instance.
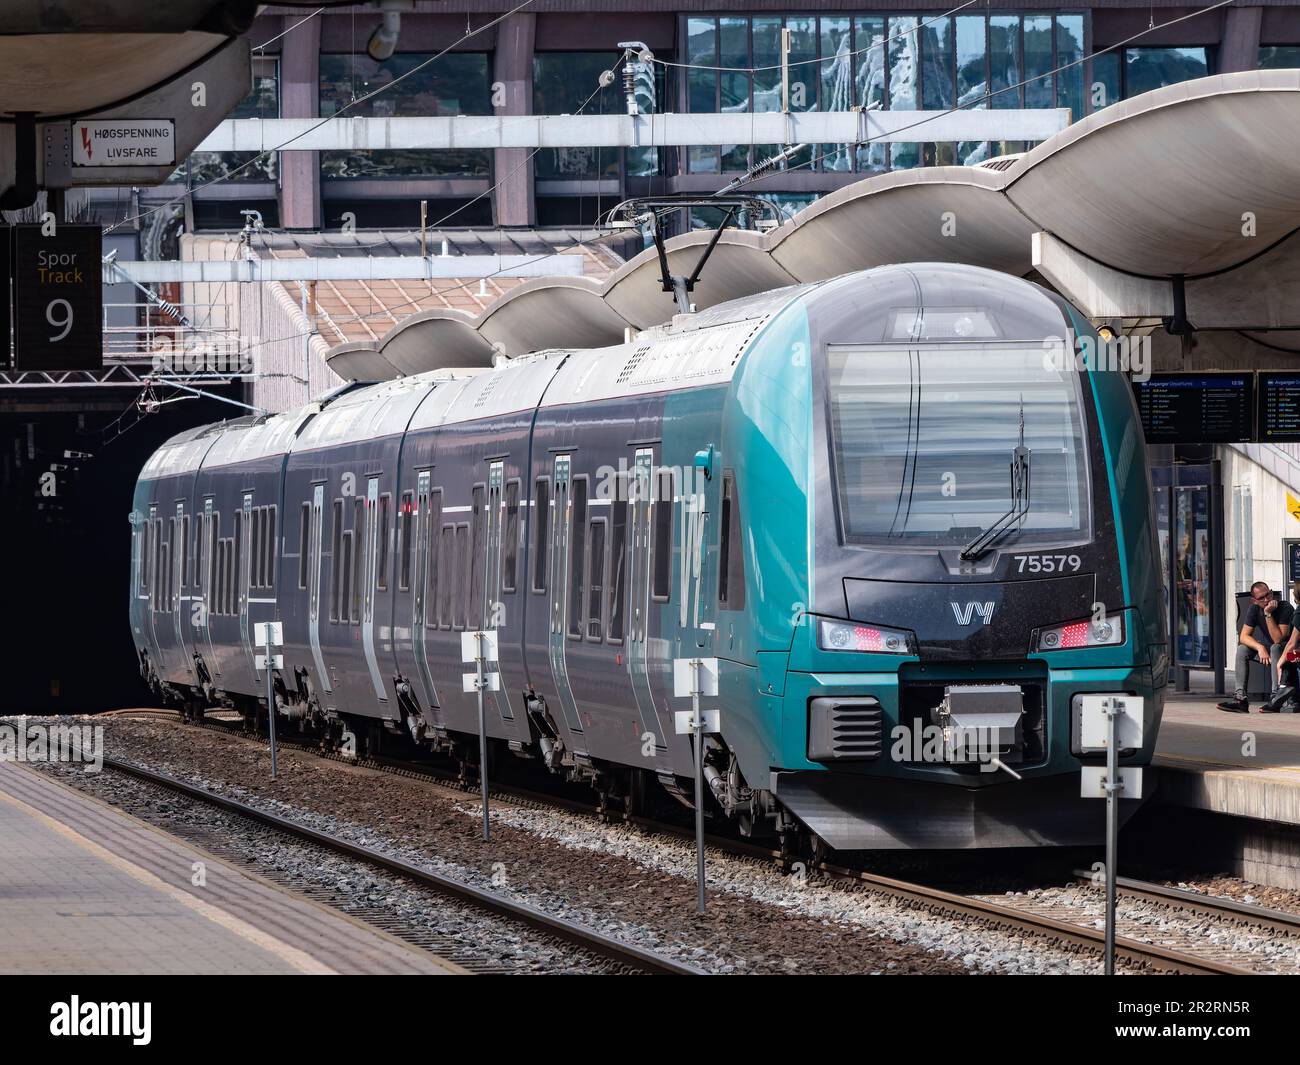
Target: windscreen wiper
(1019, 499)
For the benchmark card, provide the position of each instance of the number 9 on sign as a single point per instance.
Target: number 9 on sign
(59, 314)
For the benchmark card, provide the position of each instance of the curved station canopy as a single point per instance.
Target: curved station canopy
(1180, 203)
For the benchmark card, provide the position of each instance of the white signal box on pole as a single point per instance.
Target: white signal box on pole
(684, 677)
(1093, 783)
(1094, 725)
(491, 682)
(271, 632)
(469, 645)
(277, 661)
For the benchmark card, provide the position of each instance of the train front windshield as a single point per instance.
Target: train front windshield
(923, 440)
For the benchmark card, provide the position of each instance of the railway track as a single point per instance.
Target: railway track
(1196, 902)
(1067, 933)
(633, 958)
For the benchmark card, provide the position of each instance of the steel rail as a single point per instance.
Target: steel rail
(634, 957)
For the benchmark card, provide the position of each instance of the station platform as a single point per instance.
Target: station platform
(1241, 765)
(88, 889)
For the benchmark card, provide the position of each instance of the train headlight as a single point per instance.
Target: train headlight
(856, 636)
(1087, 632)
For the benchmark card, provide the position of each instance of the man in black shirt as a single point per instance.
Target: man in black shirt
(1265, 627)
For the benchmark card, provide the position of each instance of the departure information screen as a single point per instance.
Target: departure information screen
(1197, 408)
(1279, 407)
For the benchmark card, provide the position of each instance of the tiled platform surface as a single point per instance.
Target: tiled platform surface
(85, 888)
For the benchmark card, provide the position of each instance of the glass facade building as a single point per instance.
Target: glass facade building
(904, 62)
(725, 60)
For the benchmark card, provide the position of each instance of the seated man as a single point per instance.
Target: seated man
(1287, 697)
(1265, 627)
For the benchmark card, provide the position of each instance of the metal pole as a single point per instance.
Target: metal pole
(482, 735)
(306, 340)
(785, 71)
(697, 727)
(1112, 829)
(270, 698)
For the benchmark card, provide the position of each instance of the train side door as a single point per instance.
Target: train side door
(180, 542)
(425, 529)
(244, 561)
(153, 577)
(212, 544)
(641, 499)
(560, 533)
(492, 607)
(370, 574)
(313, 577)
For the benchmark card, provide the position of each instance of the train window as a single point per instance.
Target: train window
(510, 545)
(404, 526)
(446, 575)
(433, 545)
(595, 578)
(336, 563)
(460, 575)
(477, 561)
(382, 566)
(164, 596)
(358, 570)
(541, 532)
(184, 548)
(241, 520)
(223, 579)
(256, 546)
(662, 550)
(198, 550)
(617, 559)
(272, 516)
(577, 555)
(731, 551)
(345, 568)
(214, 543)
(154, 559)
(304, 544)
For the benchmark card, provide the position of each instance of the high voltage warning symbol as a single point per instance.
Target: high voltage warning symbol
(1293, 506)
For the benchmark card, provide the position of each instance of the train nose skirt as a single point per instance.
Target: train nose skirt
(852, 812)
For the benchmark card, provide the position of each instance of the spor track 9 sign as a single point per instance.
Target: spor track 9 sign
(58, 297)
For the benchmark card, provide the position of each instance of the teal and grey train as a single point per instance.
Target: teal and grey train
(887, 513)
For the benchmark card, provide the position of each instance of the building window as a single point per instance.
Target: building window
(1126, 72)
(894, 62)
(263, 99)
(562, 83)
(456, 84)
(1273, 56)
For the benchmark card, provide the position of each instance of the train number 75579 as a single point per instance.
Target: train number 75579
(1048, 563)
